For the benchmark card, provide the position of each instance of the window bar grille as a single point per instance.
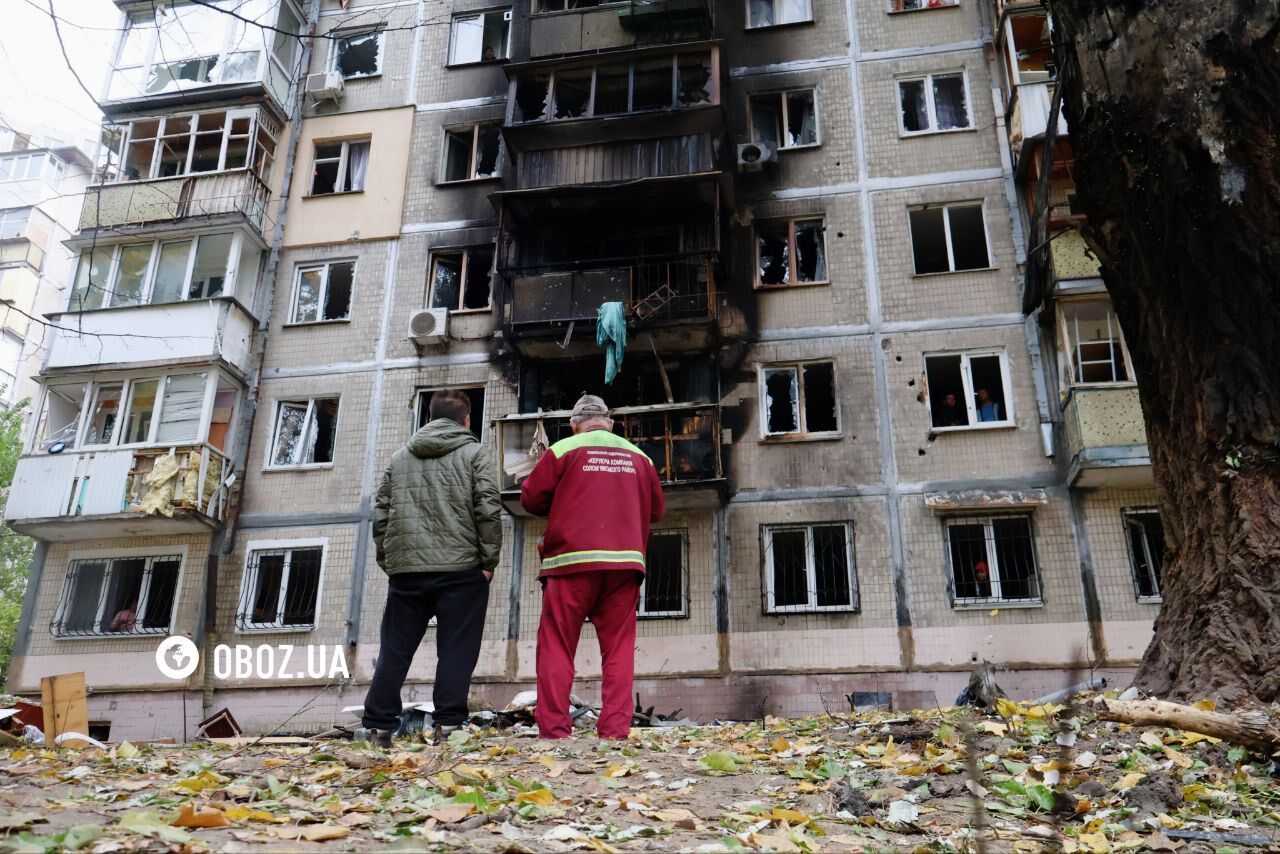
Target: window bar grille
(809, 568)
(992, 559)
(280, 589)
(117, 597)
(664, 592)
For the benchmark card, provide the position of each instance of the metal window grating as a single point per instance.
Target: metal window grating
(992, 559)
(281, 589)
(665, 590)
(1144, 532)
(809, 568)
(118, 596)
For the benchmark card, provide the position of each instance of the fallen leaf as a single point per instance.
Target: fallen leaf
(791, 817)
(125, 750)
(992, 727)
(150, 824)
(1005, 707)
(313, 832)
(189, 816)
(1205, 705)
(451, 813)
(1128, 781)
(20, 820)
(780, 744)
(1151, 739)
(243, 813)
(903, 812)
(554, 767)
(541, 797)
(1086, 760)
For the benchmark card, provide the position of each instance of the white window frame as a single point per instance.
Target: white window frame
(1127, 515)
(811, 569)
(1069, 354)
(472, 177)
(110, 555)
(946, 229)
(465, 252)
(966, 377)
(482, 14)
(340, 185)
(774, 3)
(43, 162)
(802, 432)
(334, 56)
(307, 422)
(931, 107)
(325, 267)
(249, 578)
(232, 270)
(993, 562)
(15, 216)
(683, 610)
(792, 271)
(900, 6)
(419, 393)
(783, 95)
(251, 156)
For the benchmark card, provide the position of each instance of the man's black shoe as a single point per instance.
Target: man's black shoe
(380, 738)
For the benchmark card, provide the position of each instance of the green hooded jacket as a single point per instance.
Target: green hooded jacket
(438, 508)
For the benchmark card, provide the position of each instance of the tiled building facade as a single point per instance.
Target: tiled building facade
(815, 214)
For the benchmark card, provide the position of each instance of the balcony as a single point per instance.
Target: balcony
(115, 493)
(24, 237)
(221, 197)
(1029, 117)
(1072, 259)
(610, 26)
(682, 439)
(198, 331)
(1106, 438)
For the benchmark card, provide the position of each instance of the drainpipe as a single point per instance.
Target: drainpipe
(225, 538)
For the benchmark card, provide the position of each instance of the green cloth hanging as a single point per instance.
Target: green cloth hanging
(611, 334)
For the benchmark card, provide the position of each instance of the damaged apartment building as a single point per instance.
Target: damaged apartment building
(814, 217)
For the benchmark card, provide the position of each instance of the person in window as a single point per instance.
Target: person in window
(982, 580)
(988, 409)
(437, 526)
(125, 618)
(949, 413)
(487, 55)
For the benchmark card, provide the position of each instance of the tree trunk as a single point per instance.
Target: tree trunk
(1174, 112)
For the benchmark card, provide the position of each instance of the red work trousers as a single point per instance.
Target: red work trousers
(609, 598)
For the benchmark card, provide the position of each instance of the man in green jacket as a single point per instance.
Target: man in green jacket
(437, 527)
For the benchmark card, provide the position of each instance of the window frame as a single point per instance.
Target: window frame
(898, 7)
(465, 252)
(12, 216)
(1066, 354)
(249, 577)
(420, 391)
(749, 28)
(230, 278)
(945, 207)
(791, 223)
(988, 519)
(308, 266)
(769, 600)
(308, 420)
(340, 184)
(782, 95)
(683, 612)
(118, 175)
(48, 163)
(472, 177)
(456, 17)
(1126, 515)
(110, 556)
(966, 378)
(931, 107)
(802, 433)
(335, 36)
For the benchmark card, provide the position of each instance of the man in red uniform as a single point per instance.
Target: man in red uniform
(600, 493)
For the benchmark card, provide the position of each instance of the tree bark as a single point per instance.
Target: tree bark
(1174, 113)
(1252, 729)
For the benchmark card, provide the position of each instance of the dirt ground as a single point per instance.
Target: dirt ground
(1046, 777)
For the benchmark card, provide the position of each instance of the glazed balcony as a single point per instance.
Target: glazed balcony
(188, 200)
(1106, 437)
(555, 30)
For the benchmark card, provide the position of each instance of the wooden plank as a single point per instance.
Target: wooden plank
(65, 708)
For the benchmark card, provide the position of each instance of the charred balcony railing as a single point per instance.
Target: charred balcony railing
(652, 291)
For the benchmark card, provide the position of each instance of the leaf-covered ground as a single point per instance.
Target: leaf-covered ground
(1046, 776)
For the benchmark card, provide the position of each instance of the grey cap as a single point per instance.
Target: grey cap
(590, 406)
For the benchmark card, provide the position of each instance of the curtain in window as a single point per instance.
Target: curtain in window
(948, 102)
(357, 164)
(791, 11)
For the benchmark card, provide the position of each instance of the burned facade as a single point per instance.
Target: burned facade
(813, 218)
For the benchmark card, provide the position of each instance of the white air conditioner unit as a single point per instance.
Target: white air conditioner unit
(325, 86)
(429, 326)
(753, 155)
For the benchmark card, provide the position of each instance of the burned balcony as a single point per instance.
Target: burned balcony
(682, 439)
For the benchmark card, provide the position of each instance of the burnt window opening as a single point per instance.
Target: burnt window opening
(1093, 344)
(422, 407)
(565, 5)
(949, 239)
(281, 588)
(461, 279)
(358, 54)
(322, 292)
(304, 433)
(573, 93)
(118, 596)
(663, 592)
(556, 386)
(340, 167)
(473, 153)
(969, 390)
(532, 91)
(992, 559)
(480, 37)
(809, 568)
(1145, 533)
(672, 81)
(785, 119)
(934, 102)
(800, 399)
(775, 13)
(791, 252)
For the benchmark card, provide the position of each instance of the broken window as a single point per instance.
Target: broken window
(809, 568)
(192, 144)
(118, 596)
(992, 559)
(1145, 533)
(685, 79)
(651, 85)
(60, 415)
(773, 13)
(1094, 345)
(969, 390)
(949, 239)
(563, 5)
(304, 433)
(791, 252)
(481, 37)
(281, 588)
(13, 223)
(662, 592)
(155, 272)
(914, 5)
(131, 273)
(1029, 47)
(140, 412)
(935, 102)
(358, 54)
(531, 96)
(785, 119)
(103, 414)
(800, 399)
(460, 279)
(473, 153)
(163, 410)
(323, 292)
(422, 407)
(694, 82)
(340, 167)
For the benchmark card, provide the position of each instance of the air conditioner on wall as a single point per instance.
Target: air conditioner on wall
(752, 156)
(429, 326)
(325, 86)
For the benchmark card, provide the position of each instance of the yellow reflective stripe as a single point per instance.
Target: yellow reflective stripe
(568, 558)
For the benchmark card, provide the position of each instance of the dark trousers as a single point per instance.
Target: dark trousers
(458, 600)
